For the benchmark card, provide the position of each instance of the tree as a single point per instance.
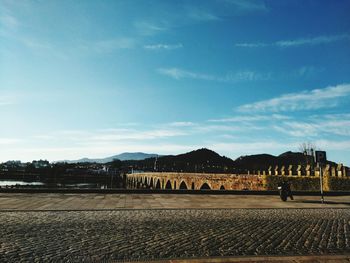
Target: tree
(307, 148)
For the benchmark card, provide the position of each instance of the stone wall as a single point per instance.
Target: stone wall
(301, 178)
(195, 181)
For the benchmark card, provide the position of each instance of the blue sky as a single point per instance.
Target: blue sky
(97, 78)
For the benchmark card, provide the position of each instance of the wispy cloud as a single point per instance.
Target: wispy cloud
(163, 46)
(178, 74)
(298, 42)
(201, 15)
(251, 45)
(38, 45)
(8, 141)
(182, 124)
(307, 71)
(312, 41)
(252, 118)
(147, 28)
(316, 126)
(306, 100)
(188, 13)
(118, 134)
(5, 100)
(248, 5)
(109, 45)
(8, 21)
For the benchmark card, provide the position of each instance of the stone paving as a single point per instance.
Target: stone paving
(44, 201)
(149, 234)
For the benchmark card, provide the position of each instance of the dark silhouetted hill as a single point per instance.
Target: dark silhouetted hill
(202, 160)
(263, 161)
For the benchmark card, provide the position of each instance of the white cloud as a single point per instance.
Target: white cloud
(252, 118)
(114, 135)
(182, 124)
(163, 46)
(312, 41)
(246, 75)
(8, 141)
(305, 100)
(5, 100)
(109, 45)
(298, 42)
(251, 45)
(178, 74)
(333, 145)
(316, 126)
(201, 15)
(306, 71)
(248, 5)
(9, 21)
(148, 28)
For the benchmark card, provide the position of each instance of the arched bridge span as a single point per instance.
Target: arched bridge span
(194, 181)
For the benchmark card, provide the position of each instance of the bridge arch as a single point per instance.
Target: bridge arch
(168, 185)
(205, 186)
(222, 187)
(183, 186)
(158, 186)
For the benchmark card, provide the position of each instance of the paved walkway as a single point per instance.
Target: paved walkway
(153, 234)
(40, 201)
(264, 259)
(172, 228)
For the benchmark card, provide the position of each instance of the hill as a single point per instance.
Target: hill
(123, 157)
(201, 160)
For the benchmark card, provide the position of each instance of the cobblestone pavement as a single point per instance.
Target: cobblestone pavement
(46, 201)
(95, 236)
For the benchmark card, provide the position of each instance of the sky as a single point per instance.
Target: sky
(98, 78)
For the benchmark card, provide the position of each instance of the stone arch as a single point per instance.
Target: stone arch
(168, 185)
(222, 187)
(158, 186)
(151, 182)
(183, 186)
(192, 186)
(205, 186)
(175, 185)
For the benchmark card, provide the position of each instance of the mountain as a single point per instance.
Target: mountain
(199, 157)
(201, 160)
(263, 161)
(123, 157)
(204, 160)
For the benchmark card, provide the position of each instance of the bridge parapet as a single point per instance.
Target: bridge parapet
(196, 181)
(258, 180)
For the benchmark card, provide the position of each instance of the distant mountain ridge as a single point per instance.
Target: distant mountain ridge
(203, 160)
(135, 156)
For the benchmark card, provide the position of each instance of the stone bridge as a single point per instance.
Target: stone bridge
(195, 181)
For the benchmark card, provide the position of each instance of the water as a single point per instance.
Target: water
(14, 183)
(10, 183)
